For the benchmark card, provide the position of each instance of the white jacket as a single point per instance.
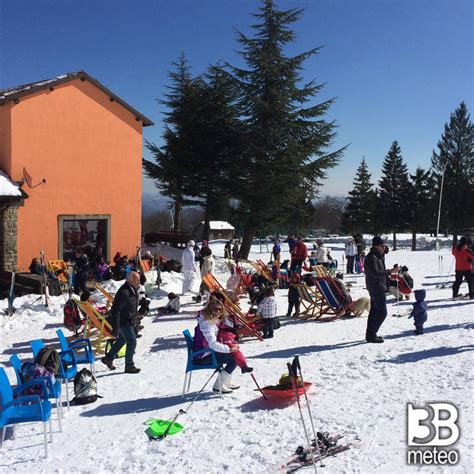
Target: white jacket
(174, 304)
(187, 260)
(322, 254)
(267, 307)
(208, 264)
(209, 331)
(351, 249)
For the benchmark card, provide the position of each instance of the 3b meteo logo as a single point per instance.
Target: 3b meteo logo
(432, 429)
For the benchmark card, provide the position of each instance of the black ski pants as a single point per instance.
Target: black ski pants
(293, 304)
(350, 264)
(377, 314)
(460, 275)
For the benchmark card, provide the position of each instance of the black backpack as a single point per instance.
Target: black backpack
(72, 316)
(85, 388)
(49, 359)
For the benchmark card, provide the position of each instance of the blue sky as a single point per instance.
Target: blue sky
(398, 68)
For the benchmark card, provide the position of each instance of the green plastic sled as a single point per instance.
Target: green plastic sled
(156, 428)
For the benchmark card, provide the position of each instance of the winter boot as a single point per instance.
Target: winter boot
(219, 386)
(227, 378)
(374, 339)
(108, 363)
(131, 369)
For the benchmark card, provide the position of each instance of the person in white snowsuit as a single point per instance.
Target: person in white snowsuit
(351, 252)
(189, 267)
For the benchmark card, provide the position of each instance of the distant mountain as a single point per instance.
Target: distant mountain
(152, 202)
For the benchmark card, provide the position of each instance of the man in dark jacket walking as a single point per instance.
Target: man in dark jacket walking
(124, 319)
(376, 283)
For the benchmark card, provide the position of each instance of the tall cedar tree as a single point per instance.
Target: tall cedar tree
(422, 190)
(456, 155)
(393, 206)
(218, 141)
(359, 210)
(286, 137)
(171, 171)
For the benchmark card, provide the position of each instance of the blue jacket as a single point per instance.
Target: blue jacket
(419, 308)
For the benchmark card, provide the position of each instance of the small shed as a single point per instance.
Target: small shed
(218, 230)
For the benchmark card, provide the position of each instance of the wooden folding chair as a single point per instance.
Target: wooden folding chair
(214, 285)
(95, 321)
(109, 298)
(309, 301)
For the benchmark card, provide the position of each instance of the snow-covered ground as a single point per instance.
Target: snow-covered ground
(359, 389)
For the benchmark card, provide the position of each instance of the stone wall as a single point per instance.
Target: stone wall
(8, 238)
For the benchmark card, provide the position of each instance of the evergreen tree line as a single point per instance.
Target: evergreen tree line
(405, 202)
(247, 144)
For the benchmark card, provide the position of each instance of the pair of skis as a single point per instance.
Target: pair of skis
(11, 297)
(44, 279)
(322, 445)
(327, 446)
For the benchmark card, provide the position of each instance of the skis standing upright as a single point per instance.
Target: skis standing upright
(158, 270)
(44, 279)
(294, 382)
(11, 297)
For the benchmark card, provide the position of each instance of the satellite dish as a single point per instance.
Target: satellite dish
(29, 180)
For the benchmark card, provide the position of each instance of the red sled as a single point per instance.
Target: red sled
(272, 391)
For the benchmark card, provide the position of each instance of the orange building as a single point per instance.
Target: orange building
(77, 148)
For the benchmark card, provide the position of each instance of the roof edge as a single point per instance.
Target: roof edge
(83, 76)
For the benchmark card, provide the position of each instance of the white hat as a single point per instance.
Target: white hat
(191, 243)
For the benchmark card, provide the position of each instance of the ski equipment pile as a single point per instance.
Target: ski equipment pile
(326, 445)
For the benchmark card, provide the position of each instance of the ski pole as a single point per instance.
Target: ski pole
(297, 359)
(448, 275)
(398, 300)
(294, 383)
(259, 389)
(181, 411)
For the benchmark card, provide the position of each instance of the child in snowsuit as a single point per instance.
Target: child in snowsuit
(293, 295)
(173, 306)
(226, 335)
(419, 311)
(267, 309)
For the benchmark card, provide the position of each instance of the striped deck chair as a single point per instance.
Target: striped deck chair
(333, 301)
(95, 321)
(320, 271)
(213, 284)
(109, 298)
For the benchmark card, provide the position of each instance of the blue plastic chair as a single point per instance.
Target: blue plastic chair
(65, 373)
(191, 366)
(17, 409)
(82, 349)
(54, 388)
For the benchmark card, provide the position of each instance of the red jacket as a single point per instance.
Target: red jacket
(463, 259)
(300, 251)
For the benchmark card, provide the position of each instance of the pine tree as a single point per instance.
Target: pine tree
(456, 157)
(286, 137)
(217, 145)
(393, 207)
(172, 170)
(360, 204)
(422, 204)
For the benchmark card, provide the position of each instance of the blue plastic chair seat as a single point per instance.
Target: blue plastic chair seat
(21, 413)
